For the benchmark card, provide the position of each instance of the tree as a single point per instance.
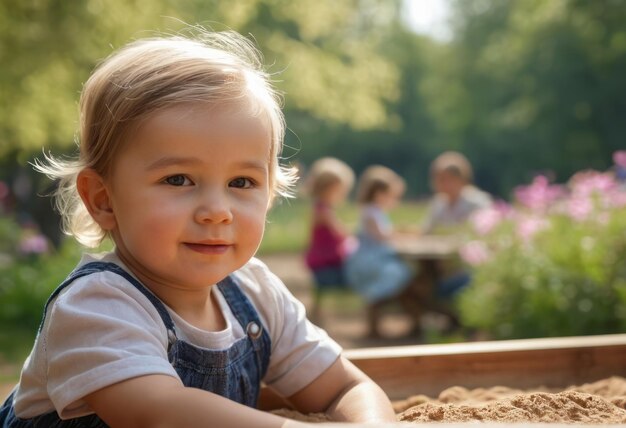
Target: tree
(544, 81)
(322, 53)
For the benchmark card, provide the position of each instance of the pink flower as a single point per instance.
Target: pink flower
(579, 207)
(475, 253)
(617, 199)
(33, 244)
(539, 194)
(586, 183)
(485, 220)
(505, 209)
(528, 226)
(589, 187)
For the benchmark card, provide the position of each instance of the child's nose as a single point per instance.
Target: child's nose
(214, 207)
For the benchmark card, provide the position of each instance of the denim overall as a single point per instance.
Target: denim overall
(234, 373)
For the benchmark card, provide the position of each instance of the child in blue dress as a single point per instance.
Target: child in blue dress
(374, 270)
(178, 326)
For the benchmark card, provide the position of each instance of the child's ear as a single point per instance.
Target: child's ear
(95, 195)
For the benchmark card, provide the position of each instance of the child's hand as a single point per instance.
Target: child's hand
(345, 394)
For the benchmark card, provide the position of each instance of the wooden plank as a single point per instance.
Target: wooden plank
(430, 247)
(550, 362)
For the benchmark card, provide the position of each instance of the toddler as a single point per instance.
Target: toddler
(178, 326)
(374, 270)
(328, 184)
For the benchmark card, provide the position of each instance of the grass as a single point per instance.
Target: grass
(288, 224)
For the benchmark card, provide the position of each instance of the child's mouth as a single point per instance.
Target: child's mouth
(208, 248)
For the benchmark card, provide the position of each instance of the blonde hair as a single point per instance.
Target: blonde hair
(376, 179)
(453, 163)
(150, 75)
(326, 172)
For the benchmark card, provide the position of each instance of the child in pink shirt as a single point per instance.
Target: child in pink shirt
(328, 184)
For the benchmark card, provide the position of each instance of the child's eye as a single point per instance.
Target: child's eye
(177, 180)
(241, 183)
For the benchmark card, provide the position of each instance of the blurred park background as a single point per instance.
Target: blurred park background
(522, 88)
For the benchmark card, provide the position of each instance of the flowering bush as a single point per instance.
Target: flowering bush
(553, 264)
(29, 272)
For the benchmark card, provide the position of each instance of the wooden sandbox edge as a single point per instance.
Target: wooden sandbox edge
(529, 363)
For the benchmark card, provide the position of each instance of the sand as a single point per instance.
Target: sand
(601, 402)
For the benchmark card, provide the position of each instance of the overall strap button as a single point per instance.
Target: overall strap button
(254, 330)
(171, 338)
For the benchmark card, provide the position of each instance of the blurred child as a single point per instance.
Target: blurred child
(455, 197)
(179, 324)
(374, 270)
(328, 184)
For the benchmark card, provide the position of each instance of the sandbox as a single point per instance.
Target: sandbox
(574, 380)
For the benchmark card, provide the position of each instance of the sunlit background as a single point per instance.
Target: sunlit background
(522, 88)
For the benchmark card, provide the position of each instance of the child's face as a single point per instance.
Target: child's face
(388, 199)
(190, 193)
(335, 193)
(447, 183)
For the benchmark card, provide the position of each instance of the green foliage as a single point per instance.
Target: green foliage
(550, 274)
(524, 86)
(27, 280)
(29, 272)
(326, 54)
(530, 85)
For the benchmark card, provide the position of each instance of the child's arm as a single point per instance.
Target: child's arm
(345, 394)
(162, 401)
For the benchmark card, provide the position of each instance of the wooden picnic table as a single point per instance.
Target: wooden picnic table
(429, 254)
(426, 247)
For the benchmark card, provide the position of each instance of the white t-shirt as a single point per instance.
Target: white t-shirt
(442, 214)
(101, 330)
(373, 214)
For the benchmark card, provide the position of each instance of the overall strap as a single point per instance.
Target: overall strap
(95, 267)
(249, 319)
(239, 304)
